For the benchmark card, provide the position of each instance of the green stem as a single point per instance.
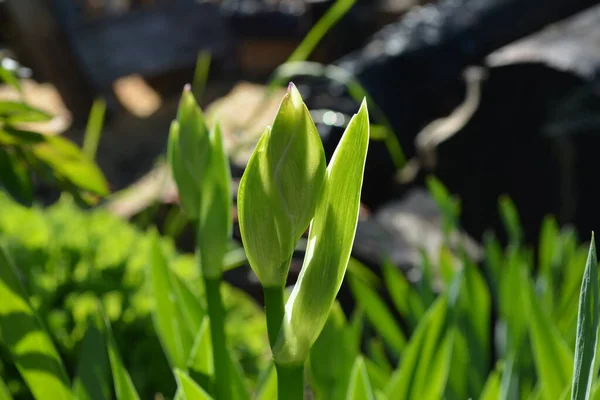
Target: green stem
(290, 381)
(216, 314)
(274, 309)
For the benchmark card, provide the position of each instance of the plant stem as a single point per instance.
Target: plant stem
(275, 310)
(290, 381)
(216, 313)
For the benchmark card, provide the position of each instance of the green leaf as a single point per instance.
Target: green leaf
(280, 188)
(215, 220)
(330, 241)
(267, 387)
(239, 388)
(65, 158)
(318, 31)
(425, 364)
(15, 112)
(175, 335)
(587, 329)
(93, 370)
(510, 218)
(4, 392)
(405, 298)
(449, 206)
(472, 343)
(22, 332)
(491, 389)
(378, 315)
(10, 79)
(201, 74)
(200, 361)
(14, 176)
(190, 390)
(360, 386)
(509, 384)
(511, 300)
(377, 376)
(93, 129)
(331, 357)
(553, 359)
(124, 389)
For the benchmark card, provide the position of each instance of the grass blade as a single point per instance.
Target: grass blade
(552, 356)
(360, 387)
(587, 329)
(93, 129)
(201, 74)
(267, 387)
(200, 362)
(4, 393)
(25, 337)
(405, 298)
(319, 30)
(174, 334)
(510, 219)
(124, 389)
(188, 389)
(331, 357)
(491, 389)
(378, 314)
(93, 371)
(426, 359)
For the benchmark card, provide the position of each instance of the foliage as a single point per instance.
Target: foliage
(27, 156)
(73, 262)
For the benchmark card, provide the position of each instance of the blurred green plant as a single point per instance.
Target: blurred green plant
(26, 155)
(517, 326)
(73, 262)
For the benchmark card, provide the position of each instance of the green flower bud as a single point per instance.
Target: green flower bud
(279, 189)
(201, 171)
(329, 245)
(188, 149)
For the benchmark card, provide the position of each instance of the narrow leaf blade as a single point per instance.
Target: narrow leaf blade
(587, 329)
(360, 386)
(30, 346)
(189, 389)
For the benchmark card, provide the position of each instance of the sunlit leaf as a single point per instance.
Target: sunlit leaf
(360, 387)
(64, 157)
(379, 315)
(189, 389)
(267, 387)
(124, 389)
(93, 129)
(553, 359)
(22, 332)
(587, 330)
(510, 218)
(15, 112)
(491, 389)
(405, 298)
(10, 79)
(425, 364)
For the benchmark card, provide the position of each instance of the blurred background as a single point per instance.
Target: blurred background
(499, 99)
